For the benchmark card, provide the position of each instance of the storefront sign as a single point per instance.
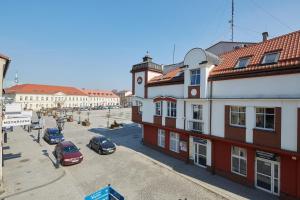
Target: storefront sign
(183, 145)
(16, 121)
(266, 155)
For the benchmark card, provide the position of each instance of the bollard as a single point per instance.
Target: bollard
(5, 137)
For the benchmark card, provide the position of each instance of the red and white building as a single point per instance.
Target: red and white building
(237, 114)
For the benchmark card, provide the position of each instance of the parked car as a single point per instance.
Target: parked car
(35, 125)
(53, 136)
(102, 145)
(67, 153)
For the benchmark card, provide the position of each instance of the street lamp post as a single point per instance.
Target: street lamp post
(108, 116)
(88, 115)
(39, 115)
(79, 117)
(60, 124)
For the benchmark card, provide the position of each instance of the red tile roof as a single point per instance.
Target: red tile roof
(173, 76)
(288, 45)
(99, 93)
(43, 89)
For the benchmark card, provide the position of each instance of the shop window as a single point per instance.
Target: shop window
(161, 138)
(174, 142)
(239, 161)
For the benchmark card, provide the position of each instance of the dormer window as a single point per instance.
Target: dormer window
(242, 62)
(195, 77)
(270, 58)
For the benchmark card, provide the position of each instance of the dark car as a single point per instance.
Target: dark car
(102, 145)
(67, 153)
(53, 136)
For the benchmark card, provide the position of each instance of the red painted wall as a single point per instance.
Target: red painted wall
(288, 169)
(150, 139)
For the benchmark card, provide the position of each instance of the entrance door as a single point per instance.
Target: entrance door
(267, 175)
(200, 154)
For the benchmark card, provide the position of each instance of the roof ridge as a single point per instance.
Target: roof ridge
(262, 42)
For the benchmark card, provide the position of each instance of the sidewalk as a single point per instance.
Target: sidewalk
(29, 166)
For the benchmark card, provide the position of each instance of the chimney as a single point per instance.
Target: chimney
(265, 36)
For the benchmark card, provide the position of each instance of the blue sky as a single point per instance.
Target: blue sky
(94, 43)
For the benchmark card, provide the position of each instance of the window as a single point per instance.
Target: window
(265, 118)
(239, 161)
(21, 98)
(158, 108)
(37, 98)
(26, 98)
(174, 142)
(195, 77)
(270, 58)
(46, 98)
(171, 109)
(161, 138)
(42, 98)
(197, 112)
(237, 116)
(31, 98)
(242, 62)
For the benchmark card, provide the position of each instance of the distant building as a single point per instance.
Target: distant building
(101, 98)
(36, 97)
(125, 98)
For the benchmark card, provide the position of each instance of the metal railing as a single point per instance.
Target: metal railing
(196, 126)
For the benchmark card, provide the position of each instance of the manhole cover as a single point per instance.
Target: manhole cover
(24, 160)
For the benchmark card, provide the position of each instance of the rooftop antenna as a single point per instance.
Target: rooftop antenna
(16, 79)
(173, 53)
(232, 17)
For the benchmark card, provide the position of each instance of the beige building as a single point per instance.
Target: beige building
(36, 97)
(4, 63)
(125, 98)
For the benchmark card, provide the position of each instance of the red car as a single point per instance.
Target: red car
(67, 153)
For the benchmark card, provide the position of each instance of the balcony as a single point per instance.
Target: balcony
(195, 126)
(136, 114)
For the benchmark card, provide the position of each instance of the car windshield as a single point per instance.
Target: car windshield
(70, 149)
(104, 140)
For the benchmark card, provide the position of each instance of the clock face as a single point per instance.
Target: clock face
(139, 80)
(193, 92)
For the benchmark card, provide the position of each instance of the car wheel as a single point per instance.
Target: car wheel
(90, 145)
(100, 151)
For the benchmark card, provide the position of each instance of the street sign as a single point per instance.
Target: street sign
(21, 121)
(107, 193)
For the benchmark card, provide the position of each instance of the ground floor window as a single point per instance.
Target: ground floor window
(239, 161)
(174, 142)
(161, 138)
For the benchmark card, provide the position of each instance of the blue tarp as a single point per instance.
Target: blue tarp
(107, 193)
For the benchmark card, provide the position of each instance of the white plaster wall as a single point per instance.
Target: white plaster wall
(180, 114)
(148, 110)
(166, 90)
(151, 75)
(208, 153)
(217, 127)
(139, 88)
(250, 123)
(289, 126)
(261, 87)
(164, 112)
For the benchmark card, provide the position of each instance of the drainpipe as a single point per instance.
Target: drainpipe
(210, 120)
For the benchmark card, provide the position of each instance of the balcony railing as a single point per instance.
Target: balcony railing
(196, 126)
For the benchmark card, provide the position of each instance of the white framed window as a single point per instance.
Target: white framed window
(242, 62)
(171, 109)
(26, 98)
(195, 77)
(197, 112)
(161, 138)
(158, 108)
(265, 118)
(239, 161)
(238, 116)
(31, 98)
(174, 142)
(270, 58)
(21, 98)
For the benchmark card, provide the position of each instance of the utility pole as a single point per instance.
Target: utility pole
(232, 17)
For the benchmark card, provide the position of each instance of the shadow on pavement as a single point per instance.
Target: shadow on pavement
(54, 162)
(130, 136)
(10, 156)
